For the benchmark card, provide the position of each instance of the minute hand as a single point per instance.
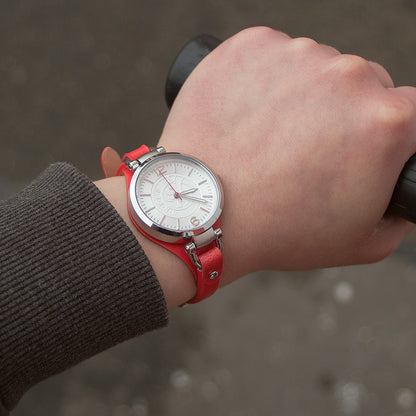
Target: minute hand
(194, 198)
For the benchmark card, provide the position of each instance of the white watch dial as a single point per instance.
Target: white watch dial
(176, 193)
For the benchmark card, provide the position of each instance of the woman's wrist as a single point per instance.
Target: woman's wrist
(175, 277)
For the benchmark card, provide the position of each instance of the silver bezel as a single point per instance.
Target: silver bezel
(156, 231)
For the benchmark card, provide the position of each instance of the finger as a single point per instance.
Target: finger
(110, 161)
(407, 107)
(388, 236)
(407, 92)
(382, 74)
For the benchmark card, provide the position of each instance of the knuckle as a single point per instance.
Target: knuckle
(396, 116)
(261, 32)
(250, 44)
(255, 36)
(303, 44)
(351, 66)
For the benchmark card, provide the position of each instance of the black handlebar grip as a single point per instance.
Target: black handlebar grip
(403, 202)
(186, 61)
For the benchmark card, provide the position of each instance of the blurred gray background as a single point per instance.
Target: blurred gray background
(76, 76)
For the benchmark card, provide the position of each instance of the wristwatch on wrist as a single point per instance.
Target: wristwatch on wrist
(175, 201)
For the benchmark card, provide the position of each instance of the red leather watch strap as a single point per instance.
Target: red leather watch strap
(123, 169)
(210, 256)
(208, 279)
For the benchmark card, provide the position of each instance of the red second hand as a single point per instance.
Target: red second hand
(177, 194)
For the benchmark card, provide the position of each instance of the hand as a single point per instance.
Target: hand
(309, 144)
(192, 198)
(189, 191)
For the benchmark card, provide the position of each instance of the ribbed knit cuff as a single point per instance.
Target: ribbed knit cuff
(73, 280)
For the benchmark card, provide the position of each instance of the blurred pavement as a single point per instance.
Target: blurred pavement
(76, 76)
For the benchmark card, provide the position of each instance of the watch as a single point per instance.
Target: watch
(176, 201)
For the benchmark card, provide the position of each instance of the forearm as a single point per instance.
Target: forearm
(73, 280)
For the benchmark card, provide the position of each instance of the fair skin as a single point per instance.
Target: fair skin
(308, 143)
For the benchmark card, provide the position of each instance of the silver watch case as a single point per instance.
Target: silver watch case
(156, 231)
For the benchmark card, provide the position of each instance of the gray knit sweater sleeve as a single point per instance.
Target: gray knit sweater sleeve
(73, 280)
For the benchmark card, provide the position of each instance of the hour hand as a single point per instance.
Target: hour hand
(189, 191)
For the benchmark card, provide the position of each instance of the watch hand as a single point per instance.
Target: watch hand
(194, 198)
(177, 195)
(189, 191)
